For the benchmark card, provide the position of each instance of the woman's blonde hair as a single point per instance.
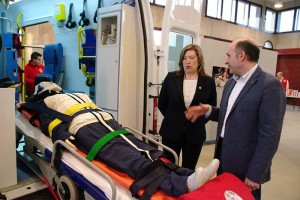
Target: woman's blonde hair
(199, 54)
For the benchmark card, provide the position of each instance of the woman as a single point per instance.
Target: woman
(181, 89)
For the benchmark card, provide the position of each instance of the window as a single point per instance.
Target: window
(270, 20)
(248, 17)
(228, 9)
(237, 11)
(297, 20)
(268, 45)
(213, 8)
(285, 21)
(254, 16)
(242, 13)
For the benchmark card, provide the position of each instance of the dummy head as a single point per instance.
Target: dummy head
(46, 86)
(43, 90)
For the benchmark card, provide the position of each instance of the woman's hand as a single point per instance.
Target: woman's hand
(194, 112)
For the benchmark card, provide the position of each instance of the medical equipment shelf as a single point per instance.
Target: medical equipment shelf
(117, 79)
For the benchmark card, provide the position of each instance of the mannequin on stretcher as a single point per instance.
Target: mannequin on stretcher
(75, 119)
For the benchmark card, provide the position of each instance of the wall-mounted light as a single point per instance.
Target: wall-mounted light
(278, 4)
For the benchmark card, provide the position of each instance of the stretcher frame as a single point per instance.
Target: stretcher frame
(53, 175)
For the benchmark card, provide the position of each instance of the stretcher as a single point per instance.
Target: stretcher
(65, 169)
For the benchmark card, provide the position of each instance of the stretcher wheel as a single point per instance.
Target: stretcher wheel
(71, 189)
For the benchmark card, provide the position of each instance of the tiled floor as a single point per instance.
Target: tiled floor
(285, 178)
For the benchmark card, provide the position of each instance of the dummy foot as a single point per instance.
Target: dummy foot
(201, 176)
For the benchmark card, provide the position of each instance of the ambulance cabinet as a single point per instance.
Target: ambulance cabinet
(117, 62)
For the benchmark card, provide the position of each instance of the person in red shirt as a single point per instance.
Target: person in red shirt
(284, 81)
(33, 68)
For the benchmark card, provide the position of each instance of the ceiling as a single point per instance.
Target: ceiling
(286, 3)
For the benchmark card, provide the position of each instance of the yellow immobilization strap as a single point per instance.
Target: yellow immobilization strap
(73, 109)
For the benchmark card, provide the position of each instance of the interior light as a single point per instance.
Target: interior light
(278, 4)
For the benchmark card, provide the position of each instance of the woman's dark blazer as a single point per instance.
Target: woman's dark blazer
(171, 105)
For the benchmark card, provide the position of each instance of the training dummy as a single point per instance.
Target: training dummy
(124, 152)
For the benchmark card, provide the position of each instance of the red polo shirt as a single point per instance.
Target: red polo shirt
(30, 72)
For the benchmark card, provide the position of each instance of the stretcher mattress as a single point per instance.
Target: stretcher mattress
(98, 186)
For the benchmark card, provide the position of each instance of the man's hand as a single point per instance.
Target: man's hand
(194, 112)
(68, 142)
(19, 104)
(251, 185)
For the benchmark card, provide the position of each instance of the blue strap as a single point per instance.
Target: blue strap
(49, 111)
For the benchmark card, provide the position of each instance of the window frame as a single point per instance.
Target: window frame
(235, 9)
(260, 17)
(244, 13)
(275, 25)
(235, 14)
(277, 20)
(296, 9)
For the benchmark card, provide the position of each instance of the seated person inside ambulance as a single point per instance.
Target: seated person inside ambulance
(124, 152)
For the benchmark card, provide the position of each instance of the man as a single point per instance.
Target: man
(88, 126)
(250, 117)
(33, 68)
(284, 81)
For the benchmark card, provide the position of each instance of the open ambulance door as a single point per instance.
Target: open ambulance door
(180, 27)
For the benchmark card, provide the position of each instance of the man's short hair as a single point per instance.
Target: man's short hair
(35, 55)
(250, 49)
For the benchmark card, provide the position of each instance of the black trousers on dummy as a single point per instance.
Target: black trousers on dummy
(120, 155)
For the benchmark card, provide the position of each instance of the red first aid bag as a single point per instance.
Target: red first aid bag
(226, 186)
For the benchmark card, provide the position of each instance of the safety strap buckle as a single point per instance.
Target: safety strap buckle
(151, 177)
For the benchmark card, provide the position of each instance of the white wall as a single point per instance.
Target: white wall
(268, 60)
(214, 55)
